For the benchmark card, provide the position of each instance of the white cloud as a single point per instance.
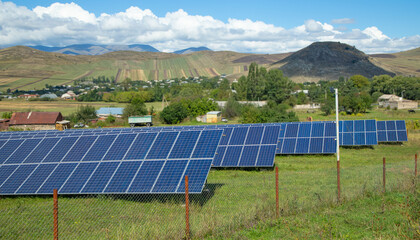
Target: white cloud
(64, 24)
(343, 21)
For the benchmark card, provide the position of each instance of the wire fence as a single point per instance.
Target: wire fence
(232, 200)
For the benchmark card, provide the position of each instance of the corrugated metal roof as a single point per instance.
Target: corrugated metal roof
(38, 118)
(110, 111)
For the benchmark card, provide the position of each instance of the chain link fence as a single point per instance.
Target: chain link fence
(232, 200)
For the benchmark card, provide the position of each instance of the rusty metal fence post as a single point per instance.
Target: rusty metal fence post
(277, 193)
(55, 212)
(187, 210)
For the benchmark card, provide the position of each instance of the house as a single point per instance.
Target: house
(395, 102)
(27, 96)
(213, 117)
(35, 120)
(106, 111)
(69, 95)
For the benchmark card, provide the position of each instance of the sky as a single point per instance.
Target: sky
(263, 26)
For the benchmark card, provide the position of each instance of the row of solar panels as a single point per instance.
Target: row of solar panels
(98, 163)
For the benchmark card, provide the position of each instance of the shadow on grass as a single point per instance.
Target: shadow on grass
(178, 198)
(371, 147)
(390, 143)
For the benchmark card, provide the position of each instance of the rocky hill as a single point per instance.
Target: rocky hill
(329, 60)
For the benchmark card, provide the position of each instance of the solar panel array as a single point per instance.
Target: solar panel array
(253, 146)
(358, 132)
(307, 138)
(391, 131)
(144, 162)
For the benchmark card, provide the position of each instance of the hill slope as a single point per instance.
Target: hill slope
(402, 63)
(191, 50)
(329, 60)
(27, 68)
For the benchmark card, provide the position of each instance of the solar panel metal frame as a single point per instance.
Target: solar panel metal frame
(200, 157)
(358, 133)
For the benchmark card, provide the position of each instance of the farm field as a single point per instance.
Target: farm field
(240, 203)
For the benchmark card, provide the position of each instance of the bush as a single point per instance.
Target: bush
(174, 113)
(83, 114)
(135, 108)
(232, 108)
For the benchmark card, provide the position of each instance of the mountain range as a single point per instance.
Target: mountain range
(27, 68)
(91, 49)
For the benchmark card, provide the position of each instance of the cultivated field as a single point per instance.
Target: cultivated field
(240, 203)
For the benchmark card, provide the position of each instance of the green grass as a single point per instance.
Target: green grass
(241, 203)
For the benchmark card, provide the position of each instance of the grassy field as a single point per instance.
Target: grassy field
(240, 203)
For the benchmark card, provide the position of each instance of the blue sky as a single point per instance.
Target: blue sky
(244, 26)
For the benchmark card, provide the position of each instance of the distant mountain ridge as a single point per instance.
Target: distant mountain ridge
(92, 49)
(192, 49)
(329, 60)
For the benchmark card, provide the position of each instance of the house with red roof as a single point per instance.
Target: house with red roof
(35, 120)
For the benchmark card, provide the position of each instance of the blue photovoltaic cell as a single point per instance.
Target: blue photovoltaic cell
(146, 177)
(60, 149)
(140, 146)
(99, 148)
(316, 145)
(43, 148)
(238, 136)
(22, 152)
(161, 147)
(170, 176)
(5, 172)
(307, 138)
(220, 153)
(305, 130)
(78, 178)
(225, 136)
(254, 135)
(232, 155)
(358, 132)
(197, 172)
(79, 149)
(16, 179)
(8, 148)
(271, 134)
(292, 130)
(184, 144)
(302, 145)
(123, 177)
(120, 147)
(57, 178)
(249, 156)
(37, 178)
(100, 178)
(265, 156)
(207, 144)
(391, 131)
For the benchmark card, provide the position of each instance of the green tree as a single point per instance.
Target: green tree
(83, 114)
(135, 108)
(360, 81)
(278, 87)
(328, 105)
(232, 108)
(174, 113)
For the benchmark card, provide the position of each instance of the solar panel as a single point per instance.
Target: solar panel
(307, 138)
(140, 162)
(252, 146)
(391, 131)
(358, 132)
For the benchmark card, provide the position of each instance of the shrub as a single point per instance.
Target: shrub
(174, 113)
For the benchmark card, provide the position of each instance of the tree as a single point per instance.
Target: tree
(135, 108)
(174, 113)
(83, 114)
(360, 81)
(232, 108)
(328, 106)
(278, 87)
